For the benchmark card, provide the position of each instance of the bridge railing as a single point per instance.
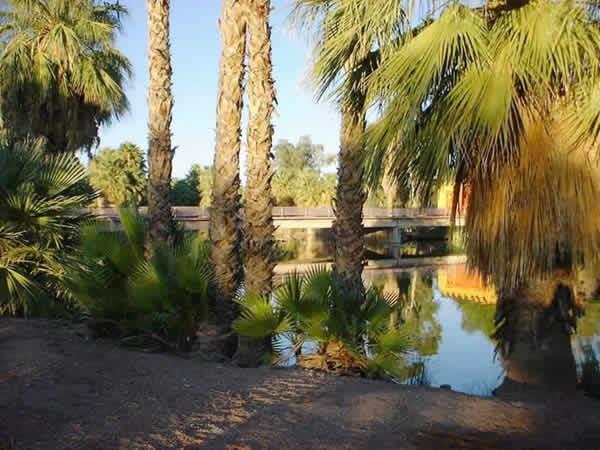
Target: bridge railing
(288, 212)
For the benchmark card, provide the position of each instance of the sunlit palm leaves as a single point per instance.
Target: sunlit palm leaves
(39, 196)
(348, 35)
(463, 85)
(309, 310)
(61, 76)
(504, 98)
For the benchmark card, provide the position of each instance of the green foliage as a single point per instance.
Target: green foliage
(419, 313)
(349, 35)
(303, 155)
(61, 77)
(309, 309)
(39, 231)
(477, 317)
(499, 98)
(205, 185)
(162, 296)
(303, 188)
(589, 323)
(299, 180)
(120, 175)
(195, 189)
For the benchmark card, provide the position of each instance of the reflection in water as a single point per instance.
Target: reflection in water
(451, 331)
(586, 349)
(452, 336)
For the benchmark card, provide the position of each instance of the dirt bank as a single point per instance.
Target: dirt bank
(59, 390)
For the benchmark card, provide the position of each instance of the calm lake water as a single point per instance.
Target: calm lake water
(452, 333)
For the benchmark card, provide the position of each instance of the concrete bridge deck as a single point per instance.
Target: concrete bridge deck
(195, 218)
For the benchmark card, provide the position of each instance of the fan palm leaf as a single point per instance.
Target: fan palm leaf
(309, 309)
(39, 195)
(464, 98)
(61, 76)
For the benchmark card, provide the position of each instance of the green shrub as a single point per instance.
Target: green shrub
(351, 337)
(39, 230)
(159, 298)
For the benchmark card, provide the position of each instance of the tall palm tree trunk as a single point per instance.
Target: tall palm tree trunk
(258, 200)
(224, 228)
(349, 201)
(160, 105)
(534, 327)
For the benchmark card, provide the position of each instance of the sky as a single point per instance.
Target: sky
(196, 48)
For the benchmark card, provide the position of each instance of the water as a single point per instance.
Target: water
(453, 335)
(452, 332)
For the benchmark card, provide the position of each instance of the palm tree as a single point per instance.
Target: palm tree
(160, 105)
(258, 200)
(347, 32)
(504, 98)
(259, 255)
(61, 77)
(224, 228)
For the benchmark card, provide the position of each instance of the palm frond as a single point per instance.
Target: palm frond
(258, 319)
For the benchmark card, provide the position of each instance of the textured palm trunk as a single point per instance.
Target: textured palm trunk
(224, 228)
(160, 105)
(534, 328)
(349, 201)
(258, 201)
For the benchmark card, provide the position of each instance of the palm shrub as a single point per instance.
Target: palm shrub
(38, 228)
(156, 297)
(351, 337)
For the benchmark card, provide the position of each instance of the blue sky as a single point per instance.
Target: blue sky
(196, 50)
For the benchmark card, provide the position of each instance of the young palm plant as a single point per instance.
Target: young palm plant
(61, 76)
(39, 229)
(503, 99)
(351, 337)
(159, 298)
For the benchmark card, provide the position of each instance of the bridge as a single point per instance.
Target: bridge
(312, 220)
(194, 218)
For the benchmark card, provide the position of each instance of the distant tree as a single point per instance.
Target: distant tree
(195, 189)
(61, 76)
(119, 174)
(303, 155)
(205, 184)
(185, 191)
(298, 180)
(303, 188)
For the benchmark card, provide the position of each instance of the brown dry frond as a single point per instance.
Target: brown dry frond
(541, 213)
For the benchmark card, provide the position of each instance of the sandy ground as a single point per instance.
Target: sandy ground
(60, 390)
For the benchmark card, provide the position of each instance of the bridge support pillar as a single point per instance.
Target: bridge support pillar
(396, 242)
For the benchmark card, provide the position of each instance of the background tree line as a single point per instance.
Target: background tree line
(303, 177)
